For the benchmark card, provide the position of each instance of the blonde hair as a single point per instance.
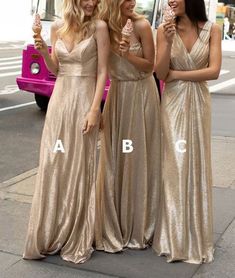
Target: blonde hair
(111, 13)
(74, 21)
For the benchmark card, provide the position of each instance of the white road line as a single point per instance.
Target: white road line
(11, 58)
(17, 106)
(11, 63)
(222, 72)
(9, 73)
(11, 67)
(9, 89)
(222, 85)
(12, 47)
(12, 41)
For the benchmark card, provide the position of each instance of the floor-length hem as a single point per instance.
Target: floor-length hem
(113, 251)
(169, 259)
(80, 260)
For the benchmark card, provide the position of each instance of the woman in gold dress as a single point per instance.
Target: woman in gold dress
(63, 209)
(128, 183)
(188, 54)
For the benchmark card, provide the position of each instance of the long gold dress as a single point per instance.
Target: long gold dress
(184, 230)
(128, 183)
(63, 208)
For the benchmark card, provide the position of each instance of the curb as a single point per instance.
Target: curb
(19, 178)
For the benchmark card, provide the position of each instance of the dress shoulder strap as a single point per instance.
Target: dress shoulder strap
(206, 32)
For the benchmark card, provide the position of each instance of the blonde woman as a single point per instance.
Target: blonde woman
(63, 211)
(129, 171)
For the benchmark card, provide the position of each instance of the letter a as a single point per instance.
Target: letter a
(58, 147)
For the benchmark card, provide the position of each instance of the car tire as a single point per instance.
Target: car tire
(42, 101)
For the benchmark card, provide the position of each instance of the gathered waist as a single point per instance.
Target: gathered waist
(77, 70)
(133, 78)
(180, 85)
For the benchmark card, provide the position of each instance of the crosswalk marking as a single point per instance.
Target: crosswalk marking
(9, 90)
(222, 72)
(17, 106)
(12, 41)
(5, 74)
(11, 63)
(11, 67)
(12, 47)
(10, 58)
(222, 85)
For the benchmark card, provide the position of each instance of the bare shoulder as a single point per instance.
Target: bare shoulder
(215, 29)
(56, 25)
(216, 34)
(101, 25)
(142, 25)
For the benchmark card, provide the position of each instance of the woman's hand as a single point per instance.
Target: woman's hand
(92, 119)
(169, 31)
(124, 47)
(40, 45)
(170, 77)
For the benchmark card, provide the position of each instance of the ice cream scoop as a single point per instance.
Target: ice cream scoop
(37, 26)
(127, 30)
(168, 15)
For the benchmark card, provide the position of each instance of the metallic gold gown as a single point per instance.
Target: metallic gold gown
(184, 229)
(63, 208)
(128, 183)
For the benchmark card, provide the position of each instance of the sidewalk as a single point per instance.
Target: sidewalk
(15, 198)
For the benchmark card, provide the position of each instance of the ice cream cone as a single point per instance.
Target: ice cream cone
(168, 15)
(127, 31)
(37, 26)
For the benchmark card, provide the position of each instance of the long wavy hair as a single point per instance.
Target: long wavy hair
(111, 13)
(75, 22)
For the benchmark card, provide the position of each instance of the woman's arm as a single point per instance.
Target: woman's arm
(164, 40)
(103, 46)
(215, 60)
(163, 54)
(51, 60)
(146, 63)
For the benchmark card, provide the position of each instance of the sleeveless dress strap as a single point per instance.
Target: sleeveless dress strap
(206, 32)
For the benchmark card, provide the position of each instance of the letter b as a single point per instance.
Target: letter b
(127, 146)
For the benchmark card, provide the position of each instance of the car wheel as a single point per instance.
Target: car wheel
(42, 101)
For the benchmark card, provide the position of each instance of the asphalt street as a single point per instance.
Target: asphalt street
(20, 127)
(21, 121)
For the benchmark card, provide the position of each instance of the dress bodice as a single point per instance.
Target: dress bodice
(197, 58)
(121, 69)
(80, 61)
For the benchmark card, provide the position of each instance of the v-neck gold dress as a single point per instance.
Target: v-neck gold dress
(184, 230)
(63, 208)
(128, 183)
